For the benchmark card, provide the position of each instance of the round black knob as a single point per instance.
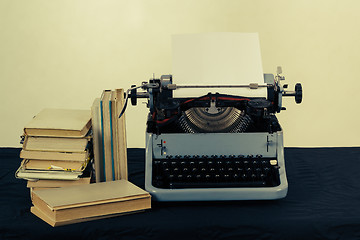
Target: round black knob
(133, 96)
(298, 93)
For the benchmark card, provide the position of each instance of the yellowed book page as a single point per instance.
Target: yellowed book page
(58, 183)
(44, 155)
(55, 144)
(40, 214)
(37, 212)
(109, 208)
(41, 205)
(54, 165)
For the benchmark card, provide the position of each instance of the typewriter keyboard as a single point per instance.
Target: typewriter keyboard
(215, 172)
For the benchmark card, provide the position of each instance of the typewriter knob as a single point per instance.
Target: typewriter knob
(298, 93)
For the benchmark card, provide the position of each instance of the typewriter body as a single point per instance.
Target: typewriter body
(216, 146)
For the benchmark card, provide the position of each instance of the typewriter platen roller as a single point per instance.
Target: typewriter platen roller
(216, 146)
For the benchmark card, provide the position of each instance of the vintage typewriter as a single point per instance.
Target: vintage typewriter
(216, 146)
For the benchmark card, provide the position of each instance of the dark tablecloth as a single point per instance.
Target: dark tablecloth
(323, 202)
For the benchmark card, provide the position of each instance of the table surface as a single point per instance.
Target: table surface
(323, 202)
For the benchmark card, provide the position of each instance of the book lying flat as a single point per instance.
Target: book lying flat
(64, 156)
(85, 202)
(60, 123)
(54, 165)
(57, 175)
(35, 174)
(57, 183)
(50, 184)
(55, 144)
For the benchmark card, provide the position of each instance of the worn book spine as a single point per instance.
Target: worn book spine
(106, 138)
(112, 135)
(97, 140)
(121, 147)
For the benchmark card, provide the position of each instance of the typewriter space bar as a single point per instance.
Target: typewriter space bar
(176, 185)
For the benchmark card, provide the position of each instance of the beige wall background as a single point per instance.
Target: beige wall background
(63, 53)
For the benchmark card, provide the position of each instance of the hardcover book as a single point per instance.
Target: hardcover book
(87, 202)
(60, 123)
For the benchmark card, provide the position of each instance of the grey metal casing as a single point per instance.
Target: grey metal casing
(268, 145)
(263, 143)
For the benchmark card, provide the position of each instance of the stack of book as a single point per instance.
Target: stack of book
(89, 202)
(56, 152)
(109, 136)
(56, 149)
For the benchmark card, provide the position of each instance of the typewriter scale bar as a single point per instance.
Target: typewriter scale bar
(174, 144)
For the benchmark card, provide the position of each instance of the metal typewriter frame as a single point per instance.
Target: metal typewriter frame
(266, 144)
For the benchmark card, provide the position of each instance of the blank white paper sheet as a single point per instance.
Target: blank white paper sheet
(217, 59)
